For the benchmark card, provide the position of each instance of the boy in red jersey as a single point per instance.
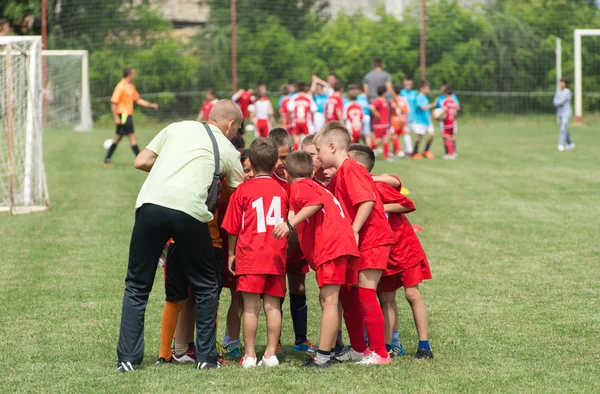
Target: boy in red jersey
(261, 112)
(380, 113)
(255, 256)
(301, 106)
(327, 240)
(335, 104)
(400, 111)
(408, 265)
(353, 115)
(284, 114)
(297, 266)
(243, 98)
(450, 108)
(354, 188)
(211, 99)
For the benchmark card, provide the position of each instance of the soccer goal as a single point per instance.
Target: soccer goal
(578, 69)
(66, 90)
(23, 186)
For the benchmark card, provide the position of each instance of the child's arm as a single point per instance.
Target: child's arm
(287, 227)
(362, 214)
(375, 112)
(388, 179)
(318, 80)
(200, 116)
(232, 243)
(396, 208)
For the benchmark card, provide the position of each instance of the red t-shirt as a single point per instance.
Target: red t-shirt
(206, 107)
(451, 109)
(352, 185)
(244, 100)
(283, 183)
(295, 255)
(407, 250)
(383, 107)
(333, 104)
(255, 208)
(327, 234)
(353, 113)
(302, 104)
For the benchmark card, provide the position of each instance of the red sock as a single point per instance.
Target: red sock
(397, 146)
(373, 145)
(296, 146)
(353, 316)
(450, 146)
(374, 322)
(386, 151)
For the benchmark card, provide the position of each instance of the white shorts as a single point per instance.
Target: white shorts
(366, 125)
(319, 120)
(422, 129)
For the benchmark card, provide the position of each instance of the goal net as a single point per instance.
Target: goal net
(22, 177)
(66, 91)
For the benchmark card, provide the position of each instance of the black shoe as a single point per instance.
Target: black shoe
(125, 366)
(107, 163)
(161, 361)
(423, 354)
(205, 365)
(312, 363)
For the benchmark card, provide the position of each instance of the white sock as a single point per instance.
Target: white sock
(408, 143)
(180, 348)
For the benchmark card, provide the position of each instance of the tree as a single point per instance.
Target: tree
(21, 17)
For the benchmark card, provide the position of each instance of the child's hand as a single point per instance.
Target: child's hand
(282, 230)
(356, 237)
(231, 264)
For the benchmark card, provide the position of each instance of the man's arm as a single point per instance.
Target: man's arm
(113, 109)
(145, 160)
(147, 104)
(390, 89)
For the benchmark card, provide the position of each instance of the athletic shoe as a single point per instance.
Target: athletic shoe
(248, 362)
(570, 146)
(235, 351)
(561, 148)
(305, 347)
(428, 155)
(389, 160)
(279, 351)
(125, 366)
(206, 365)
(351, 355)
(396, 351)
(188, 357)
(375, 359)
(107, 163)
(423, 354)
(161, 361)
(269, 362)
(400, 155)
(417, 156)
(447, 157)
(312, 363)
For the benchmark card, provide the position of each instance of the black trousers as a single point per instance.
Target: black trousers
(154, 225)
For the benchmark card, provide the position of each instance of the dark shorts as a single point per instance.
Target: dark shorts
(125, 128)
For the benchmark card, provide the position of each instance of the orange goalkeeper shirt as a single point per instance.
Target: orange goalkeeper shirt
(124, 96)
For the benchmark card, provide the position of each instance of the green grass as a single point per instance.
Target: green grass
(511, 231)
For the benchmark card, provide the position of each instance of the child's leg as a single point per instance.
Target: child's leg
(386, 146)
(448, 145)
(339, 342)
(298, 308)
(167, 327)
(429, 140)
(250, 321)
(413, 296)
(353, 317)
(417, 142)
(454, 142)
(272, 311)
(296, 141)
(389, 307)
(407, 140)
(186, 324)
(329, 298)
(373, 316)
(234, 316)
(396, 141)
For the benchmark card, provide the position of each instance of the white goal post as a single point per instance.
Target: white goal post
(578, 33)
(23, 185)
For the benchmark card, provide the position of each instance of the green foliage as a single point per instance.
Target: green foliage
(23, 16)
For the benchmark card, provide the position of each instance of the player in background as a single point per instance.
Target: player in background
(301, 106)
(255, 257)
(439, 103)
(243, 98)
(363, 100)
(354, 188)
(335, 104)
(285, 118)
(261, 112)
(327, 240)
(450, 109)
(210, 100)
(353, 115)
(121, 106)
(380, 110)
(562, 102)
(400, 112)
(320, 99)
(410, 95)
(332, 79)
(423, 123)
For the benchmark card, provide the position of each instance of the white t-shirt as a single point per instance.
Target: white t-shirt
(262, 109)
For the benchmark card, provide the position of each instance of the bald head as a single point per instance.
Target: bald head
(227, 116)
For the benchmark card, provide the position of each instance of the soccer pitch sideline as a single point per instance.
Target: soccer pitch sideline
(510, 228)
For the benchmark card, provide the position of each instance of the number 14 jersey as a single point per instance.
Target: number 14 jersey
(255, 208)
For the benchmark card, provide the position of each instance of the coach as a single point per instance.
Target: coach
(376, 78)
(172, 204)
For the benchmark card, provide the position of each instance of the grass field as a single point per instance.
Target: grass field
(511, 231)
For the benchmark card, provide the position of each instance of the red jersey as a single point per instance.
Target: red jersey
(284, 113)
(206, 107)
(255, 208)
(282, 182)
(353, 113)
(451, 109)
(328, 233)
(382, 106)
(333, 104)
(244, 100)
(407, 250)
(300, 107)
(352, 185)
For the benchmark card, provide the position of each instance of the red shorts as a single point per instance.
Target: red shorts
(356, 136)
(301, 128)
(332, 272)
(448, 132)
(375, 259)
(389, 283)
(297, 268)
(381, 131)
(416, 274)
(262, 127)
(273, 285)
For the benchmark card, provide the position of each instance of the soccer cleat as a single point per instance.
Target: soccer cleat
(417, 156)
(188, 357)
(570, 146)
(423, 354)
(375, 359)
(125, 366)
(312, 363)
(561, 148)
(428, 155)
(279, 351)
(161, 361)
(107, 163)
(207, 365)
(234, 351)
(305, 347)
(351, 355)
(248, 362)
(396, 351)
(389, 160)
(400, 155)
(269, 362)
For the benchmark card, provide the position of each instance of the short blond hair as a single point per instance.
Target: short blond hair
(309, 140)
(337, 132)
